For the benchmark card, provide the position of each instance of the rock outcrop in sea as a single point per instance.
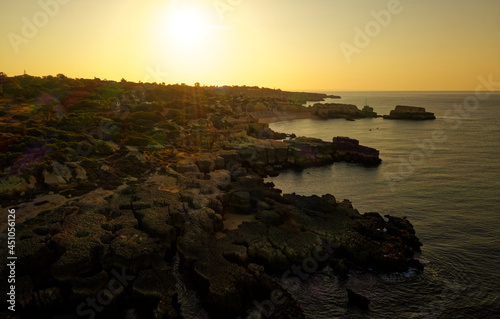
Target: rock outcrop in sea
(349, 150)
(403, 112)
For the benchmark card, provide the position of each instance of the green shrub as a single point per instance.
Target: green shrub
(160, 137)
(13, 129)
(7, 158)
(20, 118)
(137, 141)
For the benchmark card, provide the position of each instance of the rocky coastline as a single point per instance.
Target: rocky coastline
(100, 235)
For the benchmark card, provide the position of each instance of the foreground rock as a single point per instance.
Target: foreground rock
(77, 249)
(357, 300)
(403, 112)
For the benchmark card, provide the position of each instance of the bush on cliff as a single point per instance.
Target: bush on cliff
(137, 140)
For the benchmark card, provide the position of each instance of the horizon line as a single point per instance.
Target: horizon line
(275, 88)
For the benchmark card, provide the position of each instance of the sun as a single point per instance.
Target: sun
(186, 25)
(186, 40)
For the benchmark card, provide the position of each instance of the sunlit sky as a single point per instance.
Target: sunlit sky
(315, 45)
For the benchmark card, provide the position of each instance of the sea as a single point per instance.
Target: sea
(443, 175)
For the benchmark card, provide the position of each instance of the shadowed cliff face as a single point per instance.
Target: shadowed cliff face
(98, 231)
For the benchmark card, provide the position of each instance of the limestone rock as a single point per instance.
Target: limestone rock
(81, 244)
(186, 166)
(134, 249)
(221, 178)
(205, 164)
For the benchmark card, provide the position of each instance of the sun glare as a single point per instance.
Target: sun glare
(186, 25)
(186, 40)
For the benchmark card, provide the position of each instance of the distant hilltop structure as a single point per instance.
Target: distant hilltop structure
(403, 112)
(339, 110)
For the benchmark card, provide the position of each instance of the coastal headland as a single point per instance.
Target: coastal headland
(122, 190)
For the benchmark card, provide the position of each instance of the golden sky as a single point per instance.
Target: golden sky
(316, 45)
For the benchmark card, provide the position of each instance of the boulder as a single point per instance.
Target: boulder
(357, 300)
(187, 166)
(81, 174)
(205, 164)
(54, 180)
(220, 178)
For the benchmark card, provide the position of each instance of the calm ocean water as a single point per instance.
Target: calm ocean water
(444, 175)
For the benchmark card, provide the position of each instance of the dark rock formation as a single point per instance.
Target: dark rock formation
(402, 112)
(339, 110)
(349, 150)
(357, 300)
(267, 157)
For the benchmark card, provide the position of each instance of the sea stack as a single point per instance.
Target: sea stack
(403, 112)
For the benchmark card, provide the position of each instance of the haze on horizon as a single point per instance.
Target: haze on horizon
(293, 45)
